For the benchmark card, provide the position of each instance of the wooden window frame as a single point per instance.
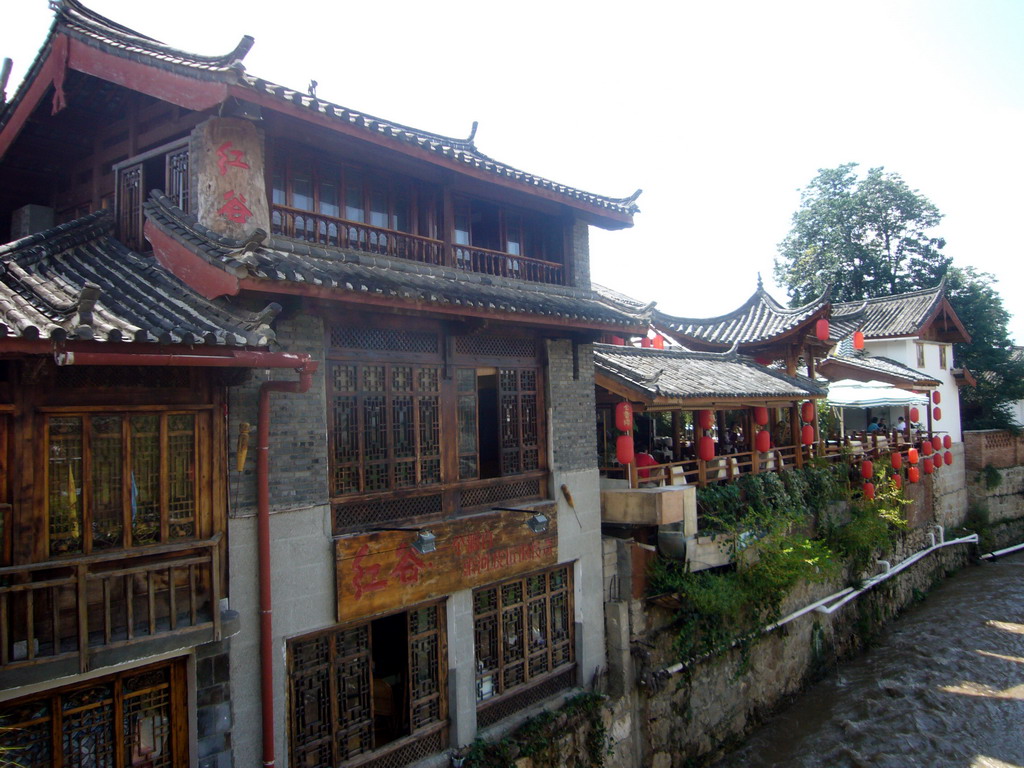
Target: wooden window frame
(340, 173)
(81, 488)
(920, 354)
(517, 459)
(51, 703)
(494, 625)
(943, 360)
(130, 193)
(360, 699)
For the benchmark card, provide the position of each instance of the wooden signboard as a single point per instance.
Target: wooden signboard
(380, 571)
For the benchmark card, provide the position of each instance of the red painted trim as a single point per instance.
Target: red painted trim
(266, 101)
(28, 103)
(392, 302)
(183, 91)
(206, 279)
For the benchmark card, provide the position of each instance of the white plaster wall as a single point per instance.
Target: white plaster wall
(304, 600)
(905, 351)
(579, 539)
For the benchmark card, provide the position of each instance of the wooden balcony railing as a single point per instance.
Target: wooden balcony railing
(502, 264)
(339, 233)
(73, 608)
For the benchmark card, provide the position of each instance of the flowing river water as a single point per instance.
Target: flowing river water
(943, 686)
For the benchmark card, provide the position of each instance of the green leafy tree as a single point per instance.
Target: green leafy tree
(872, 237)
(864, 237)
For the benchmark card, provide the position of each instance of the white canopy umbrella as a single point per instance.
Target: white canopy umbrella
(849, 393)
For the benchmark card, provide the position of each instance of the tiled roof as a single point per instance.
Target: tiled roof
(79, 22)
(759, 320)
(678, 375)
(621, 301)
(356, 274)
(76, 281)
(878, 367)
(886, 316)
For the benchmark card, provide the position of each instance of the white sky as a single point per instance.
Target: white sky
(720, 111)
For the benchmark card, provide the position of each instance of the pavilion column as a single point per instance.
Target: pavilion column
(794, 430)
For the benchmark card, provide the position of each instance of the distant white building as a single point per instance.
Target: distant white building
(908, 342)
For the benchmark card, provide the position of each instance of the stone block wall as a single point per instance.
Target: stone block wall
(213, 705)
(298, 429)
(572, 423)
(581, 254)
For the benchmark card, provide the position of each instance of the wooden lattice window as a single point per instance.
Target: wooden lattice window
(499, 423)
(136, 718)
(920, 354)
(523, 631)
(358, 688)
(942, 356)
(165, 168)
(120, 479)
(385, 426)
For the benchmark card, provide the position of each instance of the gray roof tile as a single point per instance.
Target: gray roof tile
(680, 375)
(43, 276)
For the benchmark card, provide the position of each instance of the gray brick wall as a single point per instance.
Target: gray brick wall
(213, 705)
(572, 408)
(298, 429)
(581, 254)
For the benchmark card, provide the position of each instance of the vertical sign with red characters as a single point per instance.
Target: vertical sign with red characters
(228, 160)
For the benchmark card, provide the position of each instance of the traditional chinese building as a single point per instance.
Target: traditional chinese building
(369, 549)
(907, 341)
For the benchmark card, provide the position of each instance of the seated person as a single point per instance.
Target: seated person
(873, 426)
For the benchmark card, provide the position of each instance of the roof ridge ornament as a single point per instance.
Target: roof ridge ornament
(87, 299)
(472, 134)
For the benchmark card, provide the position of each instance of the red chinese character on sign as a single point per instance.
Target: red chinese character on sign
(409, 567)
(235, 208)
(365, 579)
(235, 160)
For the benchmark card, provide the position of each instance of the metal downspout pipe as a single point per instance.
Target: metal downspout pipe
(263, 539)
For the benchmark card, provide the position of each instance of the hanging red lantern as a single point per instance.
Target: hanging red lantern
(897, 460)
(761, 360)
(624, 417)
(915, 415)
(937, 443)
(705, 419)
(937, 413)
(947, 442)
(858, 340)
(659, 341)
(913, 474)
(948, 458)
(897, 481)
(867, 469)
(912, 456)
(646, 342)
(821, 329)
(760, 415)
(927, 448)
(937, 462)
(706, 449)
(624, 449)
(807, 412)
(936, 397)
(617, 341)
(807, 434)
(763, 441)
(929, 466)
(869, 490)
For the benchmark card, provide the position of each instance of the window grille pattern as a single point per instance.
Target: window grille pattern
(333, 702)
(475, 497)
(386, 510)
(177, 178)
(109, 474)
(386, 431)
(496, 346)
(522, 631)
(493, 712)
(518, 414)
(129, 206)
(123, 720)
(384, 340)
